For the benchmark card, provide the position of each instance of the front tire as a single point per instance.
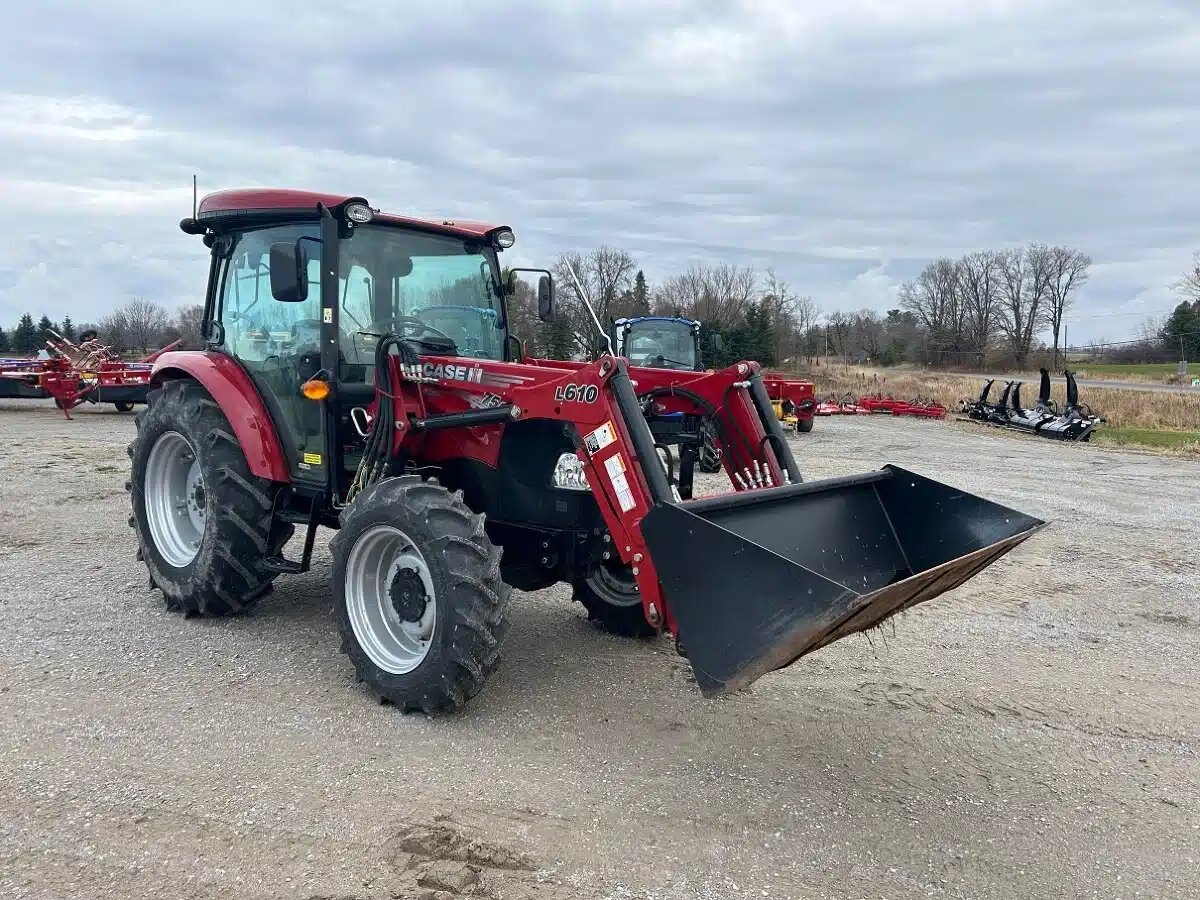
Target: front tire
(203, 521)
(804, 426)
(418, 596)
(610, 595)
(123, 406)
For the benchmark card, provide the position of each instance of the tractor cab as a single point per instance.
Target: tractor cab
(658, 342)
(303, 286)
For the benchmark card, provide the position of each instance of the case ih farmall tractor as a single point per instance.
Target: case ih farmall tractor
(327, 396)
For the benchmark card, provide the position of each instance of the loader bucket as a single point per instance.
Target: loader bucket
(759, 578)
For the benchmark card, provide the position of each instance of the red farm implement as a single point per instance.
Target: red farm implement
(841, 406)
(793, 397)
(918, 407)
(71, 374)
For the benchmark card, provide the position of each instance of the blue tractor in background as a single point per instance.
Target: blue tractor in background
(668, 342)
(659, 342)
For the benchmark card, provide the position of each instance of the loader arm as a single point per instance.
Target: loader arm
(613, 441)
(750, 580)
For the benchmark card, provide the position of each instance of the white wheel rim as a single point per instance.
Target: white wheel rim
(175, 499)
(395, 645)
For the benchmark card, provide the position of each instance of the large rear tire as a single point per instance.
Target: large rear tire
(203, 521)
(610, 595)
(418, 596)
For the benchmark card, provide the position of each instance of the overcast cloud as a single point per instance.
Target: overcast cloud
(844, 142)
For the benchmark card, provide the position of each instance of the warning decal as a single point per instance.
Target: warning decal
(615, 465)
(600, 438)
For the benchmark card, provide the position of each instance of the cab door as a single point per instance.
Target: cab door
(277, 343)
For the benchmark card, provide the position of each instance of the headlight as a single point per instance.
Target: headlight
(505, 239)
(569, 474)
(359, 212)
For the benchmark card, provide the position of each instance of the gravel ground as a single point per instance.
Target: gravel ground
(1033, 735)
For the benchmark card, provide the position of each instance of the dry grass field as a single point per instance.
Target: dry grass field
(1158, 420)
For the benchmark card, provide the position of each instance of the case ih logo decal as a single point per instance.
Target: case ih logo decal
(576, 393)
(427, 373)
(442, 372)
(448, 372)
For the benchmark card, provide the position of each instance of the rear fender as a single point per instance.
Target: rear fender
(234, 391)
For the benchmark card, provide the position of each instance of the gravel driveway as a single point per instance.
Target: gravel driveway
(1035, 734)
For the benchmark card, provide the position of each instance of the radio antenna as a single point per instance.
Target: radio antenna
(195, 208)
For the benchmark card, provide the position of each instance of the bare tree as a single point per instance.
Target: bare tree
(840, 328)
(718, 295)
(1189, 285)
(114, 330)
(1068, 271)
(806, 316)
(730, 290)
(137, 324)
(189, 325)
(791, 316)
(680, 295)
(979, 286)
(868, 332)
(604, 274)
(1024, 282)
(933, 297)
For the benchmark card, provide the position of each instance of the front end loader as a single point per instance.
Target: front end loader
(455, 471)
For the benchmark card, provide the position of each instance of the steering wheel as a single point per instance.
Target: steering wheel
(404, 323)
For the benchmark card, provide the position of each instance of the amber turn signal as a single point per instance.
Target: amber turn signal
(315, 389)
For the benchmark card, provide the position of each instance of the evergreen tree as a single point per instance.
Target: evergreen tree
(1181, 331)
(3, 341)
(555, 341)
(25, 336)
(709, 354)
(758, 335)
(68, 328)
(44, 325)
(641, 297)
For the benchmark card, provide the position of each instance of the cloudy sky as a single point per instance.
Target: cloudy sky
(844, 142)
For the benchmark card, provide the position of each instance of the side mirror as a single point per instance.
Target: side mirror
(289, 272)
(545, 298)
(718, 341)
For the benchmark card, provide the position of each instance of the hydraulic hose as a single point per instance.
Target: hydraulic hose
(377, 453)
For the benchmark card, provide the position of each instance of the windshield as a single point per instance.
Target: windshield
(435, 289)
(661, 344)
(472, 328)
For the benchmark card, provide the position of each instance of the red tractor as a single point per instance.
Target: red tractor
(453, 471)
